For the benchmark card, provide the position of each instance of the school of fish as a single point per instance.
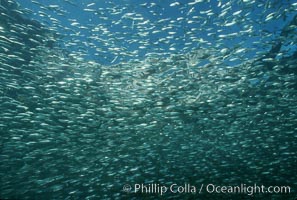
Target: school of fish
(205, 97)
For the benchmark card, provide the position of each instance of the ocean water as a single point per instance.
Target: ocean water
(148, 99)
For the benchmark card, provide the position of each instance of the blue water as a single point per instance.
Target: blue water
(159, 10)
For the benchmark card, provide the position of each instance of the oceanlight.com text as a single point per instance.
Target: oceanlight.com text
(211, 188)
